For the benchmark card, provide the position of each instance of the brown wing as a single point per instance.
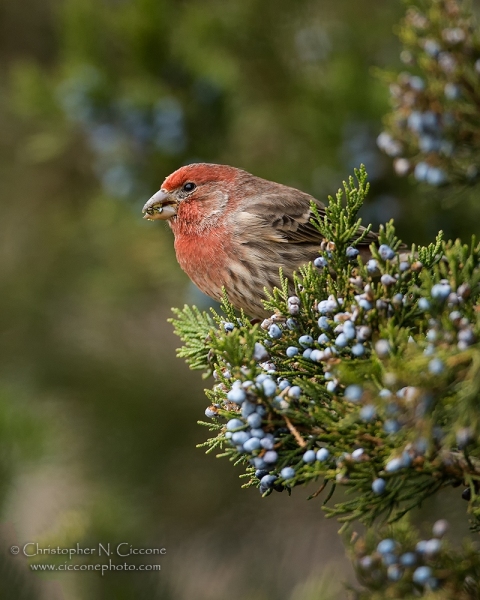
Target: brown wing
(286, 216)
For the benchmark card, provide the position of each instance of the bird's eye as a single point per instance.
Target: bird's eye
(189, 187)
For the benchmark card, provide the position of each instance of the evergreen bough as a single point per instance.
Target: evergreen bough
(368, 379)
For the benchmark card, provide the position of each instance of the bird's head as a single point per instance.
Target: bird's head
(196, 190)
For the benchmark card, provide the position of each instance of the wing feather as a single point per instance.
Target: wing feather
(285, 217)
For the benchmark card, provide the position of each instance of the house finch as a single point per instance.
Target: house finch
(236, 230)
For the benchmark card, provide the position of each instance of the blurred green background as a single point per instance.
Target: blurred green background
(100, 100)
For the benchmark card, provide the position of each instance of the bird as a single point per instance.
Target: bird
(234, 230)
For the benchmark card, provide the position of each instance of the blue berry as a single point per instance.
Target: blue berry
(234, 424)
(259, 463)
(228, 327)
(372, 267)
(358, 350)
(247, 409)
(406, 459)
(316, 355)
(309, 456)
(259, 473)
(307, 353)
(236, 395)
(293, 309)
(415, 121)
(269, 387)
(386, 253)
(322, 454)
(387, 280)
(436, 366)
(421, 445)
(268, 480)
(240, 437)
(364, 333)
(391, 426)
(284, 383)
(251, 444)
(353, 393)
(432, 48)
(349, 330)
(394, 573)
(261, 410)
(270, 456)
(433, 546)
(395, 464)
(421, 575)
(436, 176)
(466, 337)
(365, 304)
(368, 413)
(386, 546)
(267, 442)
(420, 547)
(287, 473)
(357, 454)
(341, 341)
(305, 340)
(257, 432)
(352, 253)
(428, 143)
(423, 304)
(417, 83)
(378, 486)
(323, 339)
(260, 353)
(382, 348)
(408, 559)
(323, 323)
(210, 413)
(366, 563)
(254, 420)
(275, 332)
(440, 528)
(295, 391)
(320, 262)
(440, 291)
(421, 170)
(452, 91)
(331, 386)
(291, 324)
(291, 351)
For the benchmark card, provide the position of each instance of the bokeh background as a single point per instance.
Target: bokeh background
(99, 101)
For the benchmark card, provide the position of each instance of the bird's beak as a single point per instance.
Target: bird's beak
(161, 205)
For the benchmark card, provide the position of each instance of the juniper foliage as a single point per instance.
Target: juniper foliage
(433, 128)
(367, 379)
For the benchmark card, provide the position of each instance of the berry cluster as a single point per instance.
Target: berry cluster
(432, 131)
(262, 401)
(361, 376)
(392, 561)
